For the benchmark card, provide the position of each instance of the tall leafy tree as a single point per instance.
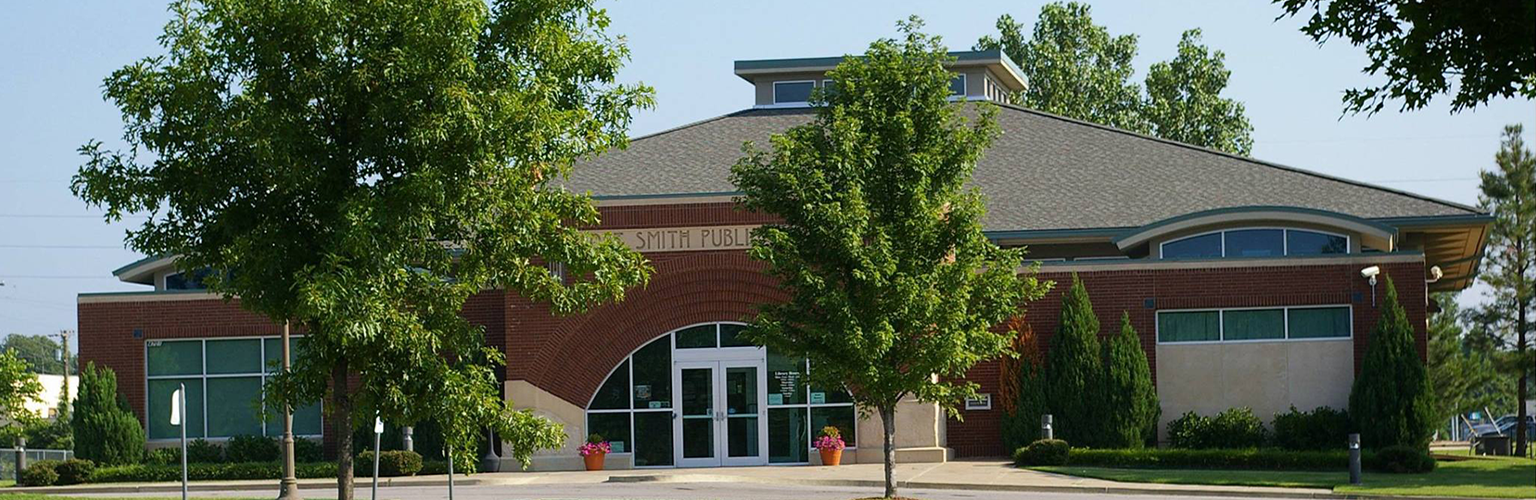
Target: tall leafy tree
(1184, 101)
(1073, 67)
(18, 387)
(1478, 50)
(1130, 399)
(361, 169)
(42, 354)
(1391, 399)
(1463, 379)
(1077, 69)
(1509, 266)
(105, 430)
(894, 289)
(1074, 376)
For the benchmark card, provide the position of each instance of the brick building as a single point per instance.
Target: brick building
(1246, 280)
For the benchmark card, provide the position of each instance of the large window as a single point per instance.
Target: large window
(1258, 242)
(798, 411)
(224, 379)
(797, 92)
(1255, 324)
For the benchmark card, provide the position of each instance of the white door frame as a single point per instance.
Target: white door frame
(723, 425)
(714, 414)
(718, 361)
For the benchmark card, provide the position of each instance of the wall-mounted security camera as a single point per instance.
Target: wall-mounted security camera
(1370, 273)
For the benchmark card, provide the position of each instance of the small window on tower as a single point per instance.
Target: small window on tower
(957, 85)
(792, 92)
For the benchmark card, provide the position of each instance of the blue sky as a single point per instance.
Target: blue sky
(53, 56)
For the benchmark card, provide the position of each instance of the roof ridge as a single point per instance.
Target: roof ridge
(1248, 159)
(690, 124)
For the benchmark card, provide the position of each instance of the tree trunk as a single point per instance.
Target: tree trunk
(341, 417)
(888, 419)
(1520, 435)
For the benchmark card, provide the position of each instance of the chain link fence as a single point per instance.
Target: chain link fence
(8, 459)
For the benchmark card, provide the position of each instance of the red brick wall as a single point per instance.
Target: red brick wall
(1114, 292)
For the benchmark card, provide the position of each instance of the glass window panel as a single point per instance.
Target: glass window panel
(1256, 243)
(613, 427)
(1193, 248)
(1254, 324)
(273, 352)
(611, 396)
(1193, 326)
(698, 392)
(741, 437)
(234, 356)
(653, 375)
(160, 391)
(788, 438)
(702, 336)
(234, 406)
(653, 438)
(957, 85)
(730, 336)
(786, 380)
(829, 396)
(791, 92)
(306, 422)
(841, 417)
(179, 357)
(1319, 322)
(1300, 242)
(741, 390)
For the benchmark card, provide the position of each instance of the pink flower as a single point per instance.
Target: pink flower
(829, 443)
(595, 449)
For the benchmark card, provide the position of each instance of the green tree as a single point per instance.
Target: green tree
(106, 431)
(18, 386)
(1021, 382)
(1074, 372)
(1509, 265)
(1480, 50)
(1130, 399)
(1184, 101)
(894, 289)
(1463, 380)
(1390, 399)
(41, 353)
(361, 169)
(1077, 69)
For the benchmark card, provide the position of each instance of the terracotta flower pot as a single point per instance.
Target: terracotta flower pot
(831, 457)
(594, 461)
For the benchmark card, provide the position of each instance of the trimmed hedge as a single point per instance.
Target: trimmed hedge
(163, 456)
(74, 471)
(1043, 452)
(307, 450)
(210, 472)
(247, 448)
(392, 463)
(1323, 428)
(201, 451)
(1400, 460)
(1233, 428)
(40, 473)
(1265, 458)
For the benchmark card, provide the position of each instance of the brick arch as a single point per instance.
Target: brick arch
(686, 289)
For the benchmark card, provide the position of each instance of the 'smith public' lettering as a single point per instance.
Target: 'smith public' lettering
(681, 239)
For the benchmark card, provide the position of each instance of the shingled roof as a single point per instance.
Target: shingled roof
(1043, 172)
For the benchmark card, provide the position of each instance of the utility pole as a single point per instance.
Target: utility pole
(64, 356)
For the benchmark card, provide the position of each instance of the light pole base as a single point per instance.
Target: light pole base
(289, 490)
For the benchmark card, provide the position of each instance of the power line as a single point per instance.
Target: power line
(66, 216)
(53, 277)
(63, 247)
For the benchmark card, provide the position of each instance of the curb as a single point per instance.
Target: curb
(1100, 490)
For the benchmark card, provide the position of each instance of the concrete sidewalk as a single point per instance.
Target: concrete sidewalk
(961, 475)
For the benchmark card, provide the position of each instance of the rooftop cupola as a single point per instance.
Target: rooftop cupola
(979, 75)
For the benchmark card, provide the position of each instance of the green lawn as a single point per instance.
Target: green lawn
(1482, 477)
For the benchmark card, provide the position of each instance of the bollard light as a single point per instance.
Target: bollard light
(1354, 459)
(1046, 429)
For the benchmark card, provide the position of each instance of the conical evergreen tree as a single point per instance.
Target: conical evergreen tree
(106, 431)
(1074, 386)
(1022, 383)
(1130, 400)
(1390, 398)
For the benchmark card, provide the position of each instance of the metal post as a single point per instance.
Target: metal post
(1354, 459)
(65, 356)
(490, 462)
(410, 445)
(1046, 430)
(378, 430)
(450, 472)
(288, 487)
(21, 455)
(182, 412)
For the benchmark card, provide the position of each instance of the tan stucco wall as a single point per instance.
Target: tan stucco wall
(1269, 377)
(524, 395)
(919, 435)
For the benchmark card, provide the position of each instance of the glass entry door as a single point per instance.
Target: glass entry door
(721, 413)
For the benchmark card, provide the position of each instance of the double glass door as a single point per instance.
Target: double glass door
(722, 418)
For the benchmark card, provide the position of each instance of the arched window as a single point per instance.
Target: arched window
(1255, 242)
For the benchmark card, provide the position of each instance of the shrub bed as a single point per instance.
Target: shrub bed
(392, 463)
(40, 473)
(249, 448)
(209, 472)
(1323, 428)
(1399, 460)
(74, 471)
(1264, 458)
(204, 452)
(1043, 452)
